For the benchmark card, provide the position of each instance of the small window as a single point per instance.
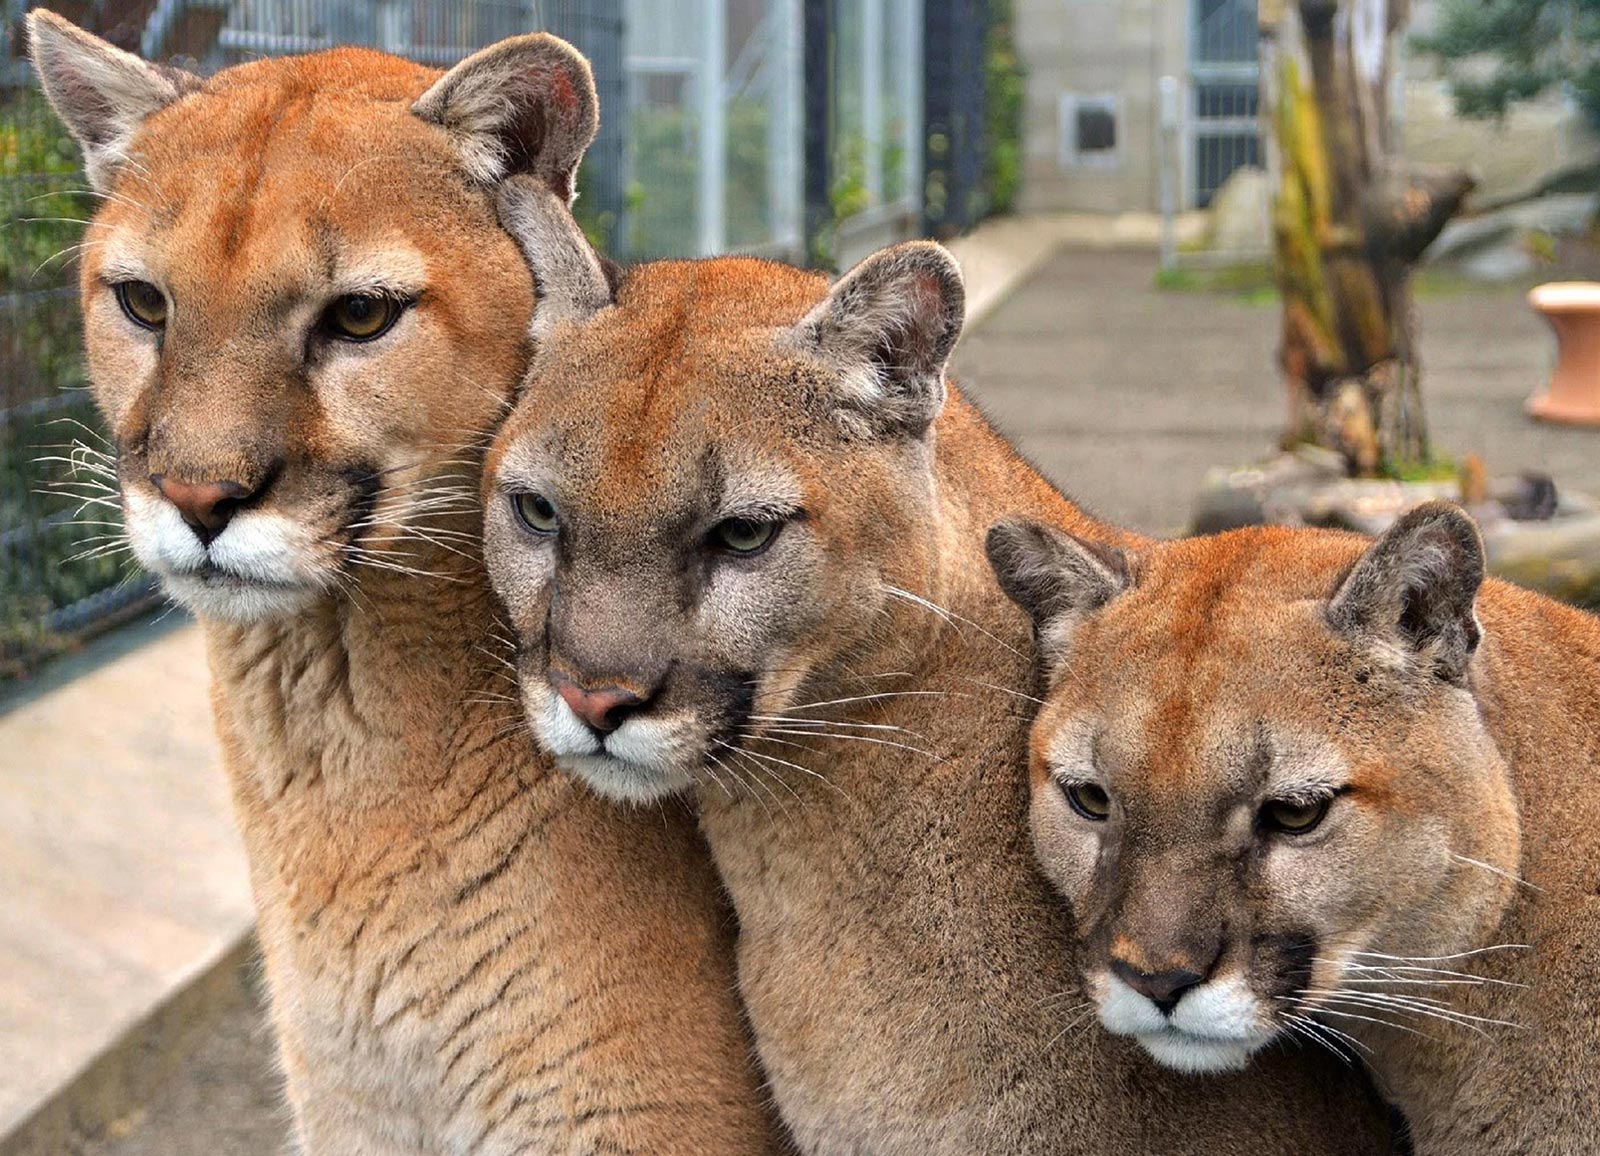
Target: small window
(1089, 129)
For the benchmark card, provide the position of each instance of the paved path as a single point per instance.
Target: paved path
(122, 875)
(1126, 395)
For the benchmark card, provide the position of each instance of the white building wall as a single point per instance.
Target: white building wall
(1093, 48)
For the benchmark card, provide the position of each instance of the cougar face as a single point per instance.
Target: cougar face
(296, 296)
(710, 478)
(1260, 778)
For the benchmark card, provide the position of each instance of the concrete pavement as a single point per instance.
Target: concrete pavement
(1126, 395)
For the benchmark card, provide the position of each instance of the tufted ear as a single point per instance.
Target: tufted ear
(100, 92)
(1058, 578)
(889, 325)
(1410, 598)
(524, 105)
(570, 283)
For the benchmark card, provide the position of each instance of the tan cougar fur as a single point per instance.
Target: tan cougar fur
(303, 321)
(739, 528)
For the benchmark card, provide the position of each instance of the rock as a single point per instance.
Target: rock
(1536, 536)
(1493, 246)
(1264, 494)
(1529, 497)
(1240, 218)
(1560, 557)
(1369, 505)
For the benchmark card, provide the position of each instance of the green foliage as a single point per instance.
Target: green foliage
(661, 201)
(1004, 90)
(1499, 52)
(42, 201)
(1253, 283)
(1442, 468)
(46, 534)
(849, 194)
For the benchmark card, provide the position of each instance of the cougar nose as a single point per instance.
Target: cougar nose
(604, 709)
(206, 506)
(1162, 988)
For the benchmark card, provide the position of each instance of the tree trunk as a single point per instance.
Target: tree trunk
(1348, 225)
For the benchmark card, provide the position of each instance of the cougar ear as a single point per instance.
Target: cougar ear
(1058, 578)
(889, 326)
(570, 283)
(1410, 598)
(100, 92)
(524, 105)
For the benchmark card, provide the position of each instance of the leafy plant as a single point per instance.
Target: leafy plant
(662, 197)
(50, 543)
(1004, 92)
(1499, 52)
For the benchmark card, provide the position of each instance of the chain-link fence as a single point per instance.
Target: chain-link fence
(794, 128)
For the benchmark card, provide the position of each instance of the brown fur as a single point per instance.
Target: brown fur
(1470, 817)
(859, 758)
(465, 952)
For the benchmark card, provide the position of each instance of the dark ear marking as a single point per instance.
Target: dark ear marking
(526, 105)
(1413, 593)
(1058, 578)
(888, 327)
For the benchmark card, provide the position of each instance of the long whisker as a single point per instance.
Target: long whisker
(950, 616)
(1493, 870)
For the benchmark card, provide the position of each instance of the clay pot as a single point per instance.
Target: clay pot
(1573, 310)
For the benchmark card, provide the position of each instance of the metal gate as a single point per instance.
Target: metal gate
(1224, 95)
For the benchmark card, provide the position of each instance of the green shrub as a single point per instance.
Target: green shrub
(51, 542)
(1004, 92)
(662, 198)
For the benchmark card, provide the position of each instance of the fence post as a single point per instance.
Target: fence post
(872, 125)
(819, 64)
(785, 129)
(953, 96)
(1168, 160)
(712, 172)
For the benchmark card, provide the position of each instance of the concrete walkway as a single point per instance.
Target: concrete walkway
(123, 878)
(1126, 395)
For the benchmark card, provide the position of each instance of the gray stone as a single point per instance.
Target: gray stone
(1240, 218)
(1559, 557)
(1494, 245)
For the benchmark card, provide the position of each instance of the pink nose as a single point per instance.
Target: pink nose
(604, 709)
(206, 506)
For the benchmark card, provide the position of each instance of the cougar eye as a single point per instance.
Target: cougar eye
(361, 316)
(144, 304)
(1294, 816)
(536, 512)
(1089, 800)
(744, 536)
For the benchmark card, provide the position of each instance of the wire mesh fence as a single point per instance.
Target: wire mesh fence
(717, 135)
(1225, 95)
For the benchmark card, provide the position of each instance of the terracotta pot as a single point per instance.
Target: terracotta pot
(1573, 310)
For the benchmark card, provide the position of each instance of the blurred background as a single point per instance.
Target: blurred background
(1228, 262)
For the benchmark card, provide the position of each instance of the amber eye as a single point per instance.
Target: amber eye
(536, 512)
(1089, 800)
(1294, 816)
(362, 316)
(744, 536)
(145, 305)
